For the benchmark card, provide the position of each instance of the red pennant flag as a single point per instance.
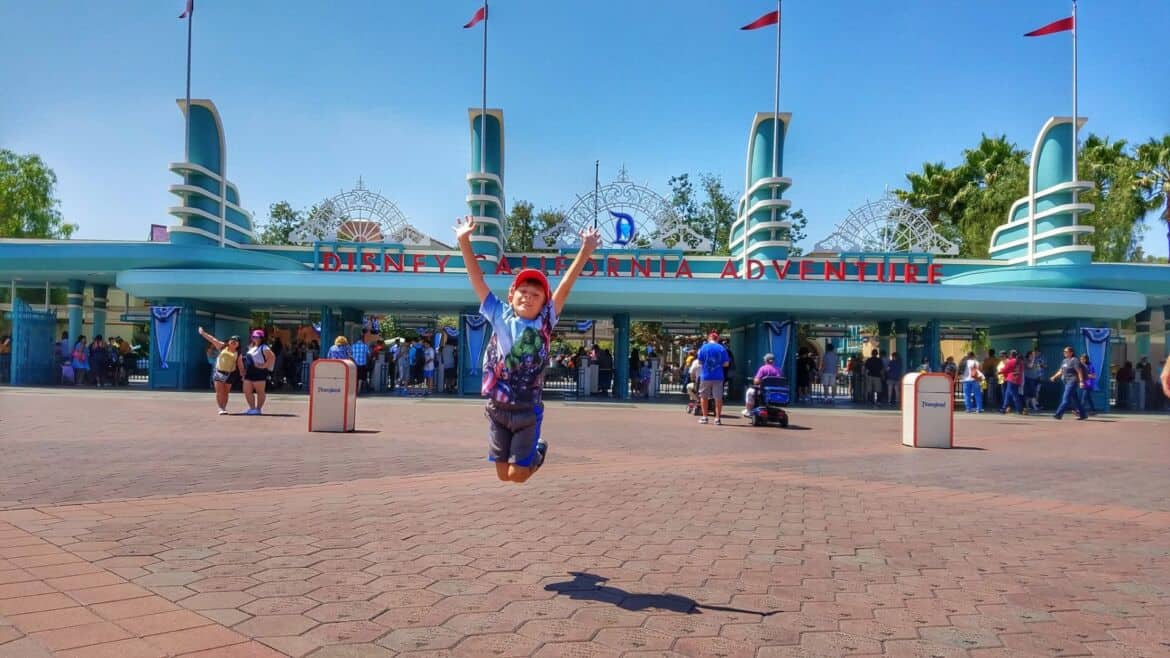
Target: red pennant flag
(480, 14)
(189, 10)
(770, 18)
(1062, 25)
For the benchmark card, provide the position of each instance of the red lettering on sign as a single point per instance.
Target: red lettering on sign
(636, 267)
(834, 270)
(861, 270)
(759, 271)
(590, 268)
(910, 273)
(684, 269)
(885, 275)
(330, 262)
(416, 261)
(729, 270)
(933, 273)
(611, 267)
(781, 272)
(389, 262)
(559, 264)
(804, 269)
(368, 263)
(349, 261)
(442, 261)
(502, 266)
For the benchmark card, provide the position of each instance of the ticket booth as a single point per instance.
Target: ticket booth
(332, 395)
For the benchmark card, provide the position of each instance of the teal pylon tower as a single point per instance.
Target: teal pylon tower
(485, 197)
(761, 230)
(210, 213)
(1043, 227)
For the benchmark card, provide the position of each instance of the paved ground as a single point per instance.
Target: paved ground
(142, 524)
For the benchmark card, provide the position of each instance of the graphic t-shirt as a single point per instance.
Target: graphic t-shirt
(713, 356)
(517, 352)
(1069, 369)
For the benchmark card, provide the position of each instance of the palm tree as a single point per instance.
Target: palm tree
(1154, 179)
(934, 191)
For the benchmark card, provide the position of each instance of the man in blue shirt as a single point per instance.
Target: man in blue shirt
(714, 358)
(360, 353)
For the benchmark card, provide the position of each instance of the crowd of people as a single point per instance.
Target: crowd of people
(408, 367)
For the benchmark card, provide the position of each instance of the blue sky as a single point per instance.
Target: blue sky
(315, 94)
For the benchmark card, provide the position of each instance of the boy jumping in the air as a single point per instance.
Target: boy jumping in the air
(517, 353)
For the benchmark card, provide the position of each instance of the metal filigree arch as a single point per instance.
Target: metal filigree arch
(359, 215)
(656, 225)
(888, 226)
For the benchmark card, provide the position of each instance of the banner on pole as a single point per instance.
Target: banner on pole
(778, 339)
(164, 330)
(1096, 342)
(475, 328)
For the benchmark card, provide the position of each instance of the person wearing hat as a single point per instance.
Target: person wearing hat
(714, 358)
(517, 354)
(255, 366)
(768, 369)
(225, 367)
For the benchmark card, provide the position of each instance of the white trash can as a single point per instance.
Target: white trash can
(332, 395)
(928, 410)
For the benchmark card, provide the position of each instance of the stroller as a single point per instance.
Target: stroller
(771, 396)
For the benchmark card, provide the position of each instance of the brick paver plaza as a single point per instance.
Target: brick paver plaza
(136, 524)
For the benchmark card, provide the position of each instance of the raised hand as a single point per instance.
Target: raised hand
(464, 227)
(590, 238)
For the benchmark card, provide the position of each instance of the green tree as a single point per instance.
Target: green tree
(682, 197)
(1118, 201)
(546, 219)
(648, 333)
(521, 230)
(716, 215)
(935, 191)
(967, 202)
(282, 221)
(798, 231)
(1154, 177)
(28, 206)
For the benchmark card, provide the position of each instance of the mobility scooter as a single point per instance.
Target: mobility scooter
(771, 396)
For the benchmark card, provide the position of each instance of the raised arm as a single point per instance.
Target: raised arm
(217, 343)
(590, 238)
(463, 230)
(1166, 377)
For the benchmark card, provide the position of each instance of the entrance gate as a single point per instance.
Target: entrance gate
(33, 350)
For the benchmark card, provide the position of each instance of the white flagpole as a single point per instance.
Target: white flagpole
(776, 101)
(187, 136)
(1076, 122)
(596, 189)
(483, 101)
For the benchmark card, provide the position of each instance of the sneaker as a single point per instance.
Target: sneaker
(252, 412)
(223, 412)
(703, 420)
(719, 421)
(541, 451)
(745, 413)
(1056, 416)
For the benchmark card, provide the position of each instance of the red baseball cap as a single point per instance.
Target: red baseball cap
(713, 334)
(533, 276)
